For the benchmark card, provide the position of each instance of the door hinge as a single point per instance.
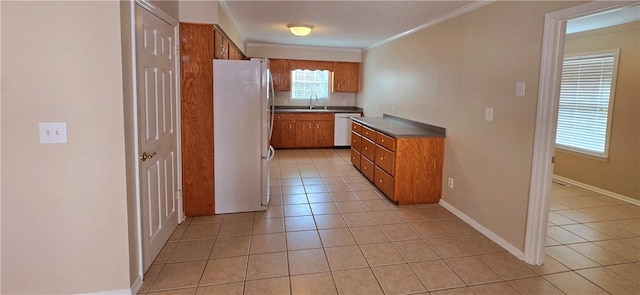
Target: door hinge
(177, 49)
(553, 159)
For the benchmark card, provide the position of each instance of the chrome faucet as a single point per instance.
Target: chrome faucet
(310, 100)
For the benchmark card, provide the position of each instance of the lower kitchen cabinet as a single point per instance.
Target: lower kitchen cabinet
(306, 130)
(408, 170)
(304, 134)
(284, 131)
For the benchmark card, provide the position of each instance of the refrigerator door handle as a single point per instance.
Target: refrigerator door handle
(271, 153)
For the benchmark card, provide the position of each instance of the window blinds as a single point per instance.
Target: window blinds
(585, 103)
(306, 83)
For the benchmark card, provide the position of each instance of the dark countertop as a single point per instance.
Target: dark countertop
(399, 127)
(330, 109)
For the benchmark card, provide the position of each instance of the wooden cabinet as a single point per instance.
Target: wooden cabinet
(284, 131)
(303, 130)
(235, 54)
(408, 170)
(314, 130)
(220, 46)
(196, 87)
(223, 47)
(346, 77)
(281, 73)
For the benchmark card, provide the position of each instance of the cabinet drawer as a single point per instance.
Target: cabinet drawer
(356, 141)
(315, 117)
(386, 141)
(355, 158)
(384, 182)
(384, 159)
(355, 127)
(368, 149)
(284, 116)
(369, 133)
(367, 168)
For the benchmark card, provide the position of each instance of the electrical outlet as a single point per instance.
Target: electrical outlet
(450, 184)
(53, 132)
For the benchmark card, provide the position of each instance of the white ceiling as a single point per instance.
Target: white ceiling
(603, 20)
(363, 24)
(341, 24)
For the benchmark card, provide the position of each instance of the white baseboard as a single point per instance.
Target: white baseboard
(112, 292)
(137, 285)
(483, 230)
(597, 190)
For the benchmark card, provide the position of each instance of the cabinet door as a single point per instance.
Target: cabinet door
(234, 53)
(323, 136)
(225, 48)
(346, 77)
(289, 139)
(281, 73)
(220, 46)
(304, 134)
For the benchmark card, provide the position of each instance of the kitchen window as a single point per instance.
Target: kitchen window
(305, 83)
(586, 103)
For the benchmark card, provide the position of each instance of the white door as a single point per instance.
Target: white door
(157, 132)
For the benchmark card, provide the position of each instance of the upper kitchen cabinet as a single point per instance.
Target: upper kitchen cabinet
(281, 73)
(223, 47)
(346, 77)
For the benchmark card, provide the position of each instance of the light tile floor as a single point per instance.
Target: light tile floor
(328, 231)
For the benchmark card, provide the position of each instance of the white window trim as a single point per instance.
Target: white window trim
(605, 154)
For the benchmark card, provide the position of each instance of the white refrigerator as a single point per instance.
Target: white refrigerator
(243, 120)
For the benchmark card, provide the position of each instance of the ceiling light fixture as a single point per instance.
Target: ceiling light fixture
(300, 30)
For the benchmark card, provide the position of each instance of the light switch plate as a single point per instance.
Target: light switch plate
(488, 114)
(520, 88)
(53, 132)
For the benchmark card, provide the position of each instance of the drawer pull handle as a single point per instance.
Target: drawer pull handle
(365, 147)
(380, 180)
(383, 140)
(381, 158)
(365, 168)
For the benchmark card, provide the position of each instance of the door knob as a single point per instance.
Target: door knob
(146, 156)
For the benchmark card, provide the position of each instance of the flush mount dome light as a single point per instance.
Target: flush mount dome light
(300, 30)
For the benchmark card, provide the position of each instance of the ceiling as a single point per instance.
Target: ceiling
(340, 24)
(358, 24)
(605, 19)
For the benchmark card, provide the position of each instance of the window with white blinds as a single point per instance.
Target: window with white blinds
(586, 103)
(305, 83)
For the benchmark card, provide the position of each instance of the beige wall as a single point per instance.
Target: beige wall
(196, 11)
(171, 7)
(64, 213)
(230, 29)
(620, 174)
(447, 75)
(303, 52)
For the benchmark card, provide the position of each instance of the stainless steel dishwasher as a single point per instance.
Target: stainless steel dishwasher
(342, 129)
